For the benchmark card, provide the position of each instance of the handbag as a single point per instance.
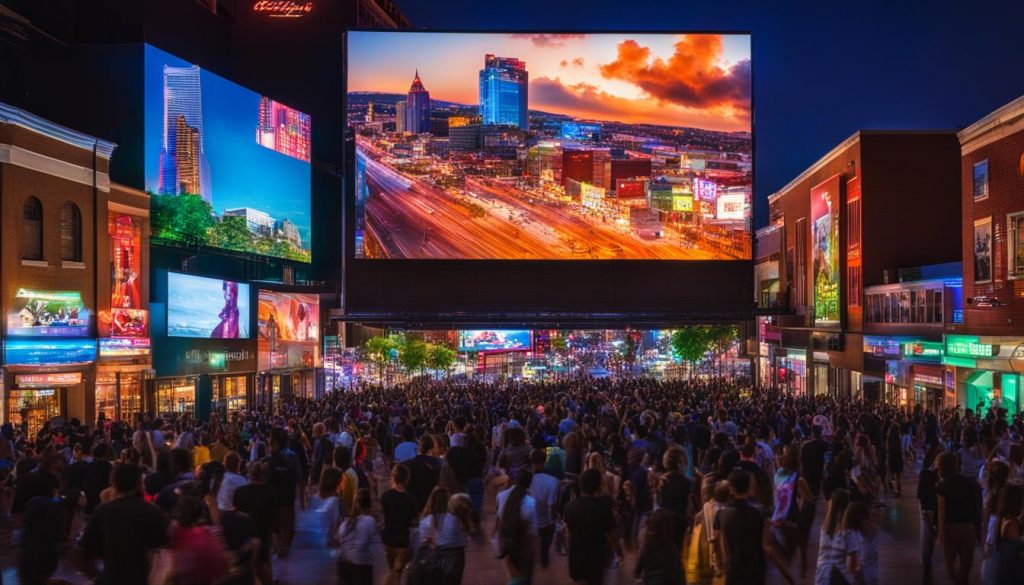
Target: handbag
(424, 569)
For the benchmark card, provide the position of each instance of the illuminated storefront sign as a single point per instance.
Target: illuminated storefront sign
(26, 352)
(921, 349)
(48, 380)
(127, 318)
(825, 250)
(283, 8)
(41, 313)
(927, 379)
(133, 347)
(969, 346)
(682, 203)
(881, 346)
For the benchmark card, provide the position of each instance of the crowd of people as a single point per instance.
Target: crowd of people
(627, 472)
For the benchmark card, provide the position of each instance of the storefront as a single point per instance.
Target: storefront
(200, 376)
(791, 370)
(47, 380)
(121, 374)
(289, 347)
(987, 372)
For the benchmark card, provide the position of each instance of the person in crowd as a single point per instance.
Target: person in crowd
(42, 538)
(233, 479)
(122, 533)
(256, 499)
(424, 470)
(832, 545)
(516, 527)
(284, 477)
(860, 530)
(199, 554)
(958, 518)
(659, 562)
(676, 492)
(544, 491)
(928, 499)
(1009, 537)
(399, 510)
(812, 460)
(590, 522)
(997, 475)
(446, 525)
(359, 541)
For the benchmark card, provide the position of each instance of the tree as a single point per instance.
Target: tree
(440, 357)
(379, 349)
(691, 343)
(412, 355)
(232, 233)
(181, 218)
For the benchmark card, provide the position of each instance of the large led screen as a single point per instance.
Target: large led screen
(289, 330)
(225, 166)
(551, 146)
(206, 307)
(825, 229)
(494, 340)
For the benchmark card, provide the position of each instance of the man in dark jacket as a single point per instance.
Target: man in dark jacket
(424, 471)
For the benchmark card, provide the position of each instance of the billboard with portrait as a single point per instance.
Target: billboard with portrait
(983, 250)
(825, 249)
(127, 317)
(206, 307)
(289, 329)
(494, 340)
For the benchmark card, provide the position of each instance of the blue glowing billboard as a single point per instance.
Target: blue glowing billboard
(225, 167)
(38, 352)
(206, 307)
(494, 340)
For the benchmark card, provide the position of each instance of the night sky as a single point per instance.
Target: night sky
(822, 70)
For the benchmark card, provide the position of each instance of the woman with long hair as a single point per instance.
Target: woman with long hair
(516, 526)
(894, 449)
(832, 543)
(659, 562)
(861, 533)
(445, 525)
(1011, 548)
(359, 538)
(998, 472)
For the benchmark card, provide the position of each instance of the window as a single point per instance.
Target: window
(983, 250)
(853, 224)
(70, 233)
(980, 180)
(32, 230)
(853, 284)
(1015, 229)
(913, 306)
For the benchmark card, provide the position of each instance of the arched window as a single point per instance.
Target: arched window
(32, 230)
(70, 233)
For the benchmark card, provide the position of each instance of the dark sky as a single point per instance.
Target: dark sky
(822, 69)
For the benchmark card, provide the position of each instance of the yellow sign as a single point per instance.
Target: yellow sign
(682, 203)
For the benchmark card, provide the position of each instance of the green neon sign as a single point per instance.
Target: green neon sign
(959, 362)
(968, 346)
(921, 349)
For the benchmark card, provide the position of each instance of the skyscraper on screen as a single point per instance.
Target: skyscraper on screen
(503, 92)
(183, 172)
(417, 107)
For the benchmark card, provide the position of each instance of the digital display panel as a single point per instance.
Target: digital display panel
(127, 318)
(124, 347)
(494, 340)
(225, 167)
(825, 251)
(289, 329)
(206, 307)
(34, 352)
(491, 145)
(44, 313)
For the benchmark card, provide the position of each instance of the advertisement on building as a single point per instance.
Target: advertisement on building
(124, 347)
(37, 352)
(682, 203)
(983, 250)
(289, 330)
(706, 190)
(206, 307)
(43, 313)
(731, 206)
(494, 340)
(591, 196)
(127, 318)
(630, 188)
(825, 250)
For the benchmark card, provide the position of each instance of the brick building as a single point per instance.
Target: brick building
(58, 293)
(871, 206)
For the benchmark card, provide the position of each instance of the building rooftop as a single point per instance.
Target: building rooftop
(18, 117)
(1003, 121)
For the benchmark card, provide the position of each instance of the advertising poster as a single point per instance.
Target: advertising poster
(127, 318)
(289, 330)
(43, 313)
(983, 250)
(37, 352)
(825, 250)
(206, 307)
(494, 340)
(225, 167)
(706, 190)
(731, 206)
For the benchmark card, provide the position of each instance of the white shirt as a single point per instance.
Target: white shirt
(345, 440)
(527, 509)
(358, 545)
(447, 533)
(544, 490)
(230, 483)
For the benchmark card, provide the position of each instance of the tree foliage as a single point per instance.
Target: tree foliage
(693, 342)
(412, 354)
(440, 357)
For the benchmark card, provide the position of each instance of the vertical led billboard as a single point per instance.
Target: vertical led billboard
(289, 328)
(225, 166)
(515, 146)
(206, 307)
(127, 317)
(825, 250)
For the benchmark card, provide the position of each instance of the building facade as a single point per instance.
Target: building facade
(417, 108)
(867, 209)
(504, 90)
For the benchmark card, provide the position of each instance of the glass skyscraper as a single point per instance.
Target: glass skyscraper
(183, 111)
(503, 92)
(417, 107)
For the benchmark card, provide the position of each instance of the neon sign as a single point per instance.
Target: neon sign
(283, 8)
(969, 346)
